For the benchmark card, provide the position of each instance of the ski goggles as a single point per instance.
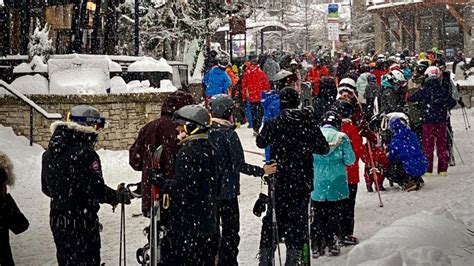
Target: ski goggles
(95, 122)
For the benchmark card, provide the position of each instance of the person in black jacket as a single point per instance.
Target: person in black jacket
(293, 137)
(71, 176)
(231, 162)
(191, 238)
(11, 218)
(326, 97)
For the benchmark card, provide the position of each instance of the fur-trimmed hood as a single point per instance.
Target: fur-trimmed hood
(74, 126)
(7, 165)
(69, 134)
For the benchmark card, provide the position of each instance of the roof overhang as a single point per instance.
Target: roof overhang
(412, 4)
(262, 26)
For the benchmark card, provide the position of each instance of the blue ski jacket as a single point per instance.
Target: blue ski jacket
(217, 82)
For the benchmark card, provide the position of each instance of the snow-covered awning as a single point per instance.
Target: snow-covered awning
(403, 4)
(262, 26)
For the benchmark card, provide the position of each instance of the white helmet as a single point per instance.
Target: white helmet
(399, 75)
(433, 71)
(347, 82)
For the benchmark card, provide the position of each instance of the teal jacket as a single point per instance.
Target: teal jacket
(330, 176)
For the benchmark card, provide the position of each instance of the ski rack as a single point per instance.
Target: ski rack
(33, 107)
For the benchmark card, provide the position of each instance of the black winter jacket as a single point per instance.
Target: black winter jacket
(193, 190)
(71, 173)
(293, 137)
(230, 160)
(12, 219)
(326, 97)
(435, 101)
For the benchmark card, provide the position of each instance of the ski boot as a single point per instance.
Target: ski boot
(349, 241)
(333, 248)
(381, 187)
(369, 188)
(318, 251)
(409, 186)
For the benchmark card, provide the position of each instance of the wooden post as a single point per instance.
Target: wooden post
(460, 19)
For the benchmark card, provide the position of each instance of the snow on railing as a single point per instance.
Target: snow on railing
(33, 107)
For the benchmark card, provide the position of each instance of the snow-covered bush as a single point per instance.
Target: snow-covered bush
(40, 43)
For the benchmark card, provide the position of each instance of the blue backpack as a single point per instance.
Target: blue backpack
(271, 109)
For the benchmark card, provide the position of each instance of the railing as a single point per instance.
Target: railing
(33, 107)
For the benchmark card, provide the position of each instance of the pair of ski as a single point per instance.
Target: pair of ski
(150, 254)
(306, 254)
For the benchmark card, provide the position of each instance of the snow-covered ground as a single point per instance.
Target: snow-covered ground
(427, 226)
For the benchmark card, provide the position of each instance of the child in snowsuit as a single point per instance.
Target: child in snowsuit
(330, 186)
(11, 217)
(407, 162)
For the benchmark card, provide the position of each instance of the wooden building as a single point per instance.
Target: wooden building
(420, 25)
(84, 26)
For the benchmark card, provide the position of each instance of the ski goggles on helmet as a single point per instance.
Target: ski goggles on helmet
(95, 122)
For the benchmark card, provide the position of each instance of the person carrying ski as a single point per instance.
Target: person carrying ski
(71, 175)
(231, 162)
(435, 101)
(293, 137)
(406, 160)
(11, 218)
(159, 132)
(345, 109)
(191, 238)
(254, 82)
(330, 187)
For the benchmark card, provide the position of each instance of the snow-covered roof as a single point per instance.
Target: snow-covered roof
(274, 25)
(393, 4)
(35, 66)
(148, 64)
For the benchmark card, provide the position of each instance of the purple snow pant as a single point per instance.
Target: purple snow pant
(436, 134)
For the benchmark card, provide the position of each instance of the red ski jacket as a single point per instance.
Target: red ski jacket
(254, 82)
(359, 150)
(314, 76)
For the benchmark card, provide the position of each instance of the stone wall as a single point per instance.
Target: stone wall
(125, 114)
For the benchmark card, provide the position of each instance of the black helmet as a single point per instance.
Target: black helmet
(223, 62)
(87, 116)
(221, 106)
(343, 107)
(332, 118)
(193, 117)
(289, 98)
(422, 66)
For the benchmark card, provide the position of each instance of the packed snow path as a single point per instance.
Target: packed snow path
(36, 247)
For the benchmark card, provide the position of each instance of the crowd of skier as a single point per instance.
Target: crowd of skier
(315, 119)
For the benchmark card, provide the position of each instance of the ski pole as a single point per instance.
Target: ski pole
(456, 146)
(372, 165)
(255, 152)
(122, 237)
(466, 117)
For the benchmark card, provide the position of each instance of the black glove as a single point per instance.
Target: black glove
(155, 176)
(123, 194)
(260, 205)
(461, 103)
